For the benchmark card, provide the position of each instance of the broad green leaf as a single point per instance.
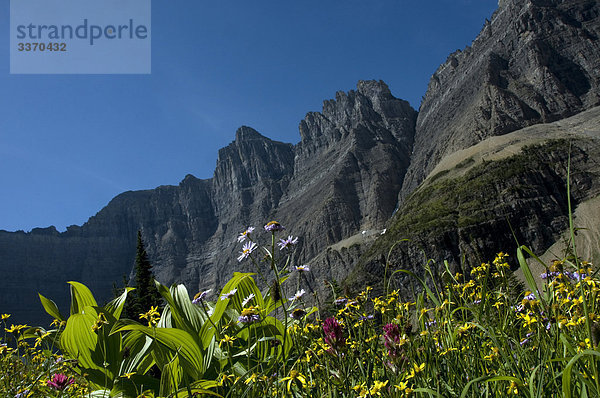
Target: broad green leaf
(184, 315)
(245, 285)
(138, 346)
(209, 353)
(100, 394)
(171, 377)
(98, 353)
(109, 345)
(115, 307)
(51, 308)
(175, 339)
(81, 297)
(79, 342)
(129, 387)
(165, 320)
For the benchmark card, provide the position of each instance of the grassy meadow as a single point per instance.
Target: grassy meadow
(483, 334)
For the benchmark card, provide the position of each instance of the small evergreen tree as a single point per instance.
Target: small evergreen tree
(145, 294)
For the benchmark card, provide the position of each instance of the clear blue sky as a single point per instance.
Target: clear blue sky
(70, 143)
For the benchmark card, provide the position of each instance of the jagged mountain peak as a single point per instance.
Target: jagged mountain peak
(250, 159)
(370, 105)
(245, 133)
(374, 89)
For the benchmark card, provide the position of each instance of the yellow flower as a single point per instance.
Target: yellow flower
(493, 354)
(296, 377)
(227, 379)
(101, 321)
(227, 340)
(582, 345)
(361, 390)
(377, 386)
(5, 316)
(39, 340)
(497, 304)
(309, 355)
(528, 319)
(419, 368)
(403, 386)
(58, 323)
(18, 329)
(370, 339)
(251, 379)
(152, 316)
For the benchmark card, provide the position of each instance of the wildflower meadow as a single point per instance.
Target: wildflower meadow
(473, 335)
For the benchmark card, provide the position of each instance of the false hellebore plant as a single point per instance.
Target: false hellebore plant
(192, 346)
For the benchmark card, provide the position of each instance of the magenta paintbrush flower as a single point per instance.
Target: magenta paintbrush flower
(391, 339)
(334, 335)
(60, 381)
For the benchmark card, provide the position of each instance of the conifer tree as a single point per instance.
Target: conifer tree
(145, 294)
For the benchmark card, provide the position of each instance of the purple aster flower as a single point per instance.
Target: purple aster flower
(249, 315)
(476, 302)
(574, 276)
(334, 335)
(529, 297)
(287, 243)
(200, 297)
(302, 268)
(228, 295)
(519, 308)
(60, 381)
(245, 234)
(549, 275)
(248, 248)
(273, 226)
(22, 394)
(366, 318)
(526, 339)
(249, 318)
(340, 301)
(298, 294)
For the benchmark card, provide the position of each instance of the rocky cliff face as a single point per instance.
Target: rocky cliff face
(536, 61)
(466, 216)
(357, 161)
(345, 174)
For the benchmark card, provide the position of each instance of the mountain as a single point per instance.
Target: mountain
(345, 174)
(503, 192)
(482, 162)
(535, 61)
